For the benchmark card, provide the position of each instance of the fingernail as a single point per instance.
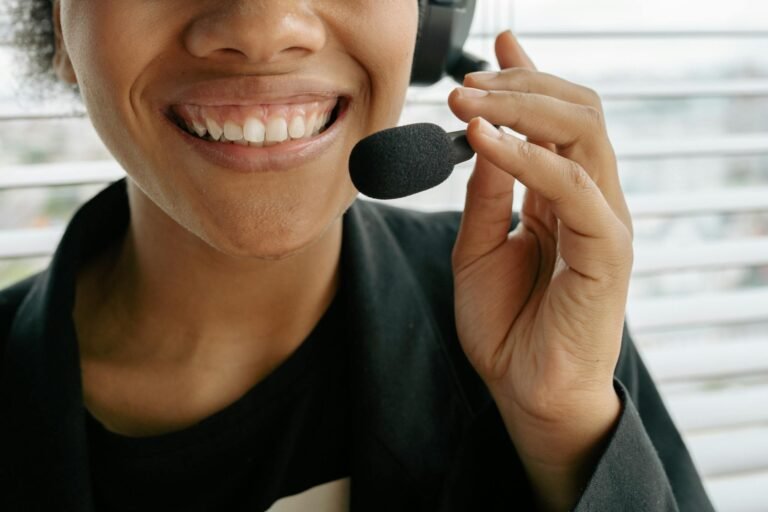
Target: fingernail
(482, 76)
(511, 34)
(469, 92)
(489, 130)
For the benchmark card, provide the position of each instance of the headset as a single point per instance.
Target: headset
(443, 29)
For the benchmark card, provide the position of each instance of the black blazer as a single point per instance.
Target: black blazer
(427, 436)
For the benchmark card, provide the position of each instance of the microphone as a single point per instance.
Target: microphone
(405, 160)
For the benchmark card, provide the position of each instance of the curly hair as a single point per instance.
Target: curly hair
(33, 37)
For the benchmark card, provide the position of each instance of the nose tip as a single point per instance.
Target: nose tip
(256, 32)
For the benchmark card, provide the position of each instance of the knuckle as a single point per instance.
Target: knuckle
(578, 177)
(515, 97)
(594, 116)
(516, 111)
(592, 97)
(631, 229)
(508, 107)
(621, 254)
(519, 72)
(519, 78)
(525, 150)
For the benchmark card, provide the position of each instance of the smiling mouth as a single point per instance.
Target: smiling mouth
(258, 125)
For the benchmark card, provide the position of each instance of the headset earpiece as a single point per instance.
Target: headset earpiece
(443, 29)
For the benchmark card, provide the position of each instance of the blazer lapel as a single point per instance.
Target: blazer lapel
(408, 406)
(43, 442)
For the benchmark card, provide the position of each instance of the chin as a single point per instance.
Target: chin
(273, 232)
(269, 245)
(267, 217)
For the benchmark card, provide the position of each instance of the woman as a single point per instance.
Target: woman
(228, 328)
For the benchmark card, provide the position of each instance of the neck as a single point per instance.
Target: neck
(168, 294)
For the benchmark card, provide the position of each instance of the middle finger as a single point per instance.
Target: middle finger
(532, 81)
(536, 116)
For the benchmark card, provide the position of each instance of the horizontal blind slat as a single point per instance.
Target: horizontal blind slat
(730, 451)
(671, 363)
(29, 243)
(742, 144)
(654, 259)
(744, 492)
(52, 116)
(673, 204)
(742, 306)
(701, 409)
(59, 174)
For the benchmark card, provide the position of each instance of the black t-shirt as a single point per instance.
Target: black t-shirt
(286, 435)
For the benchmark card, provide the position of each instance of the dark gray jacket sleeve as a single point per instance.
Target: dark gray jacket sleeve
(646, 465)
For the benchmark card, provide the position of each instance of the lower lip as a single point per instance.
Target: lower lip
(280, 157)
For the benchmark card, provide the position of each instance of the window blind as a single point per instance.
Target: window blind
(685, 89)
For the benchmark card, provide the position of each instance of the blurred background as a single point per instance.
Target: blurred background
(685, 88)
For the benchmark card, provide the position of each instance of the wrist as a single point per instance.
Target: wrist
(559, 455)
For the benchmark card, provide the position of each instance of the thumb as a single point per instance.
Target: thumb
(487, 213)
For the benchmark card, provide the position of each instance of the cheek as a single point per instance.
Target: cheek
(111, 44)
(383, 42)
(115, 46)
(101, 49)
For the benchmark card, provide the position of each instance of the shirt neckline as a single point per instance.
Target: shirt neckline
(309, 358)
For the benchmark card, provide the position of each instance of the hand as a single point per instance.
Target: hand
(540, 311)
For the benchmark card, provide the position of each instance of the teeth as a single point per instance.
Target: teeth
(296, 129)
(277, 130)
(214, 129)
(311, 125)
(200, 130)
(232, 131)
(254, 131)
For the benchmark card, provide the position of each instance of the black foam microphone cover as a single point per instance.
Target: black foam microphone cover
(405, 160)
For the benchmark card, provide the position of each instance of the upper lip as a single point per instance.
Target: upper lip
(255, 90)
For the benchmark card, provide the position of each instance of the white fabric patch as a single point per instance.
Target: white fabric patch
(330, 497)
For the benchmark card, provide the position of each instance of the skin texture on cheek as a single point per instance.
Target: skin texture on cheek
(128, 55)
